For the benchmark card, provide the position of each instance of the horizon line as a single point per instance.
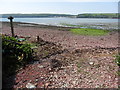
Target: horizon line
(64, 13)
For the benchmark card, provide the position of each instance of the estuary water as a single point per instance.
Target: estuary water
(63, 21)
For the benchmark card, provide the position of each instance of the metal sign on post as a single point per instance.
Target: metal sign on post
(11, 23)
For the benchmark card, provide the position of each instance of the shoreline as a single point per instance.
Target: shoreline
(102, 26)
(86, 61)
(62, 35)
(36, 25)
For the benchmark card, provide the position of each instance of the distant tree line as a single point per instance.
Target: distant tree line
(91, 15)
(35, 15)
(102, 15)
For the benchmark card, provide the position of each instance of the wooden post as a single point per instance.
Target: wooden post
(38, 39)
(11, 23)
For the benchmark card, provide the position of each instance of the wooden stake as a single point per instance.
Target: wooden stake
(11, 23)
(38, 39)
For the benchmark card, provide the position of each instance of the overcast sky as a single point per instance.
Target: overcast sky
(59, 6)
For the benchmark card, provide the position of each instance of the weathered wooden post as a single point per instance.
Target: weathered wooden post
(38, 39)
(11, 23)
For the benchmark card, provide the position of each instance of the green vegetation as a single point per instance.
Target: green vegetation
(118, 73)
(14, 54)
(90, 32)
(118, 60)
(98, 15)
(89, 15)
(81, 60)
(36, 15)
(79, 63)
(79, 66)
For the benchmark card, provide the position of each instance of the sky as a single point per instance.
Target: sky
(59, 6)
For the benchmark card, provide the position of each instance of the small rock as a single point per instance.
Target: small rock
(40, 66)
(91, 63)
(96, 86)
(47, 84)
(55, 76)
(65, 85)
(90, 81)
(29, 85)
(36, 80)
(74, 82)
(49, 69)
(30, 81)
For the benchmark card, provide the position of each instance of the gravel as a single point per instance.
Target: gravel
(97, 67)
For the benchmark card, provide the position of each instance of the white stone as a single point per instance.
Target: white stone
(97, 86)
(74, 82)
(36, 80)
(55, 76)
(40, 66)
(29, 85)
(91, 63)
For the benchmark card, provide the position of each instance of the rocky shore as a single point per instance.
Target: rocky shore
(61, 35)
(66, 60)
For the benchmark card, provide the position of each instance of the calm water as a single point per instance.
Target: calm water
(96, 23)
(59, 21)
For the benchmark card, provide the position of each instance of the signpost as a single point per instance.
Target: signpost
(11, 23)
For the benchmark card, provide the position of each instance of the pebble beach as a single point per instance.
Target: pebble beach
(90, 59)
